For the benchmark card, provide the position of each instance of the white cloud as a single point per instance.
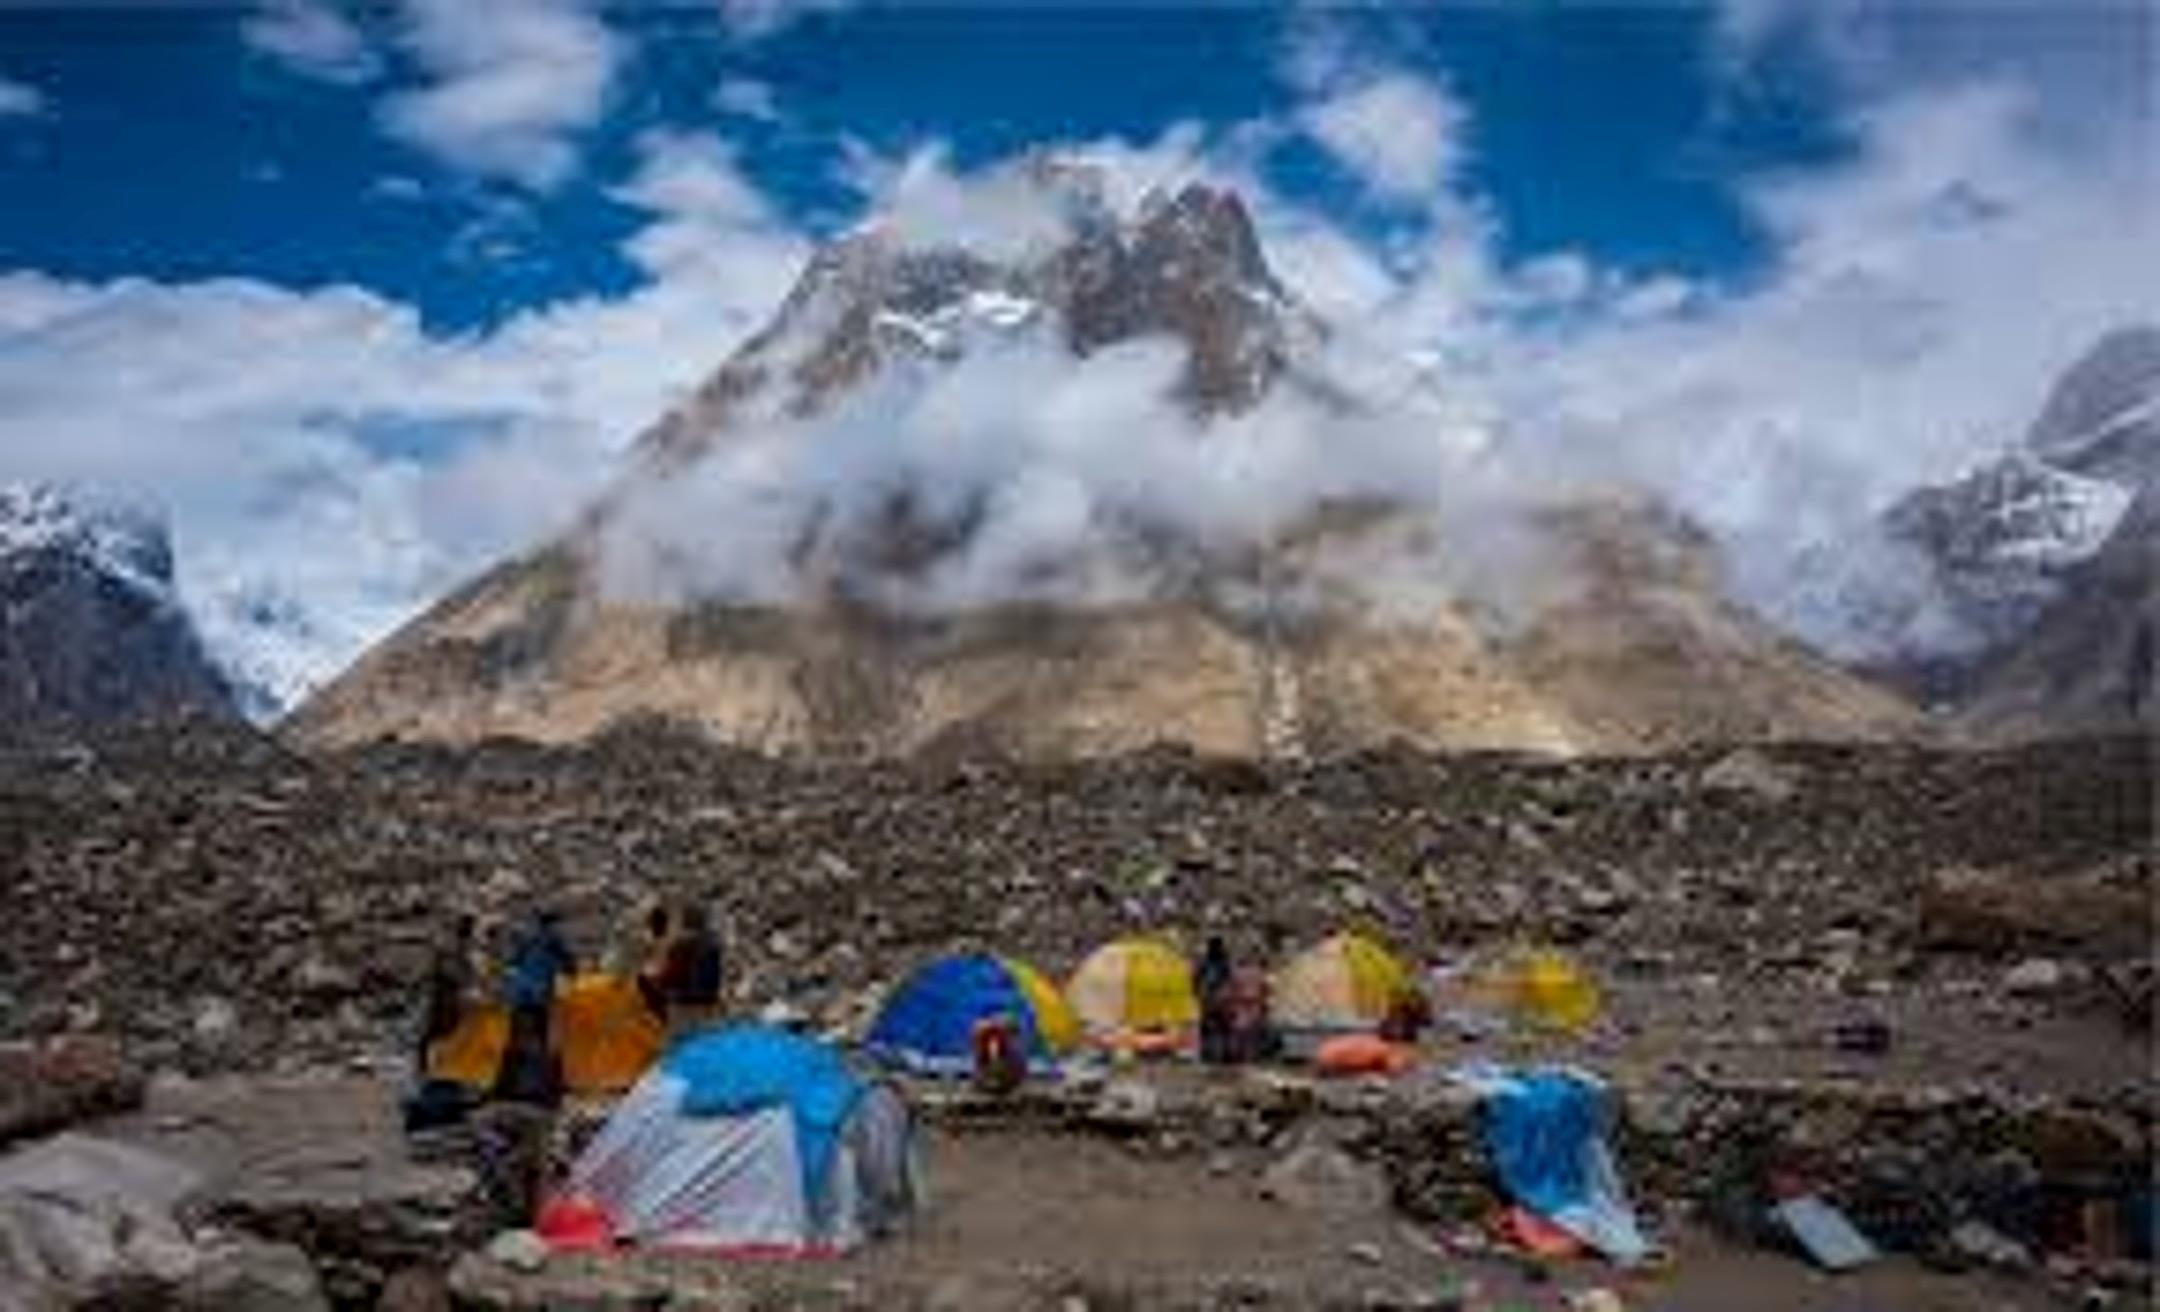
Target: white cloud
(20, 99)
(1066, 471)
(746, 97)
(755, 20)
(1401, 135)
(514, 84)
(1924, 297)
(1000, 213)
(313, 39)
(2087, 64)
(398, 187)
(359, 466)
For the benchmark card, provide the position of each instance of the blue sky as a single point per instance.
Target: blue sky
(1605, 129)
(364, 297)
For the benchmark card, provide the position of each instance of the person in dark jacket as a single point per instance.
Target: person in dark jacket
(652, 961)
(690, 979)
(539, 958)
(449, 981)
(1212, 981)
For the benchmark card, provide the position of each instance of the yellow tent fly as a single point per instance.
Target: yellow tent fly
(1344, 982)
(1135, 992)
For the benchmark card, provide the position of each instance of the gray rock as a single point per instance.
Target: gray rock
(1983, 1245)
(1127, 1103)
(415, 1289)
(520, 1250)
(1318, 1176)
(48, 1086)
(1747, 770)
(216, 1020)
(249, 1275)
(319, 977)
(2033, 976)
(79, 1215)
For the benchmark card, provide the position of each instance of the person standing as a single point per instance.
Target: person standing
(538, 961)
(512, 1131)
(1211, 980)
(449, 984)
(1252, 1030)
(690, 979)
(651, 963)
(999, 1065)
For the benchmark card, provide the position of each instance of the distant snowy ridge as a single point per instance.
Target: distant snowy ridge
(1993, 548)
(91, 625)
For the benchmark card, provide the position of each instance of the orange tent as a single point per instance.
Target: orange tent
(606, 1036)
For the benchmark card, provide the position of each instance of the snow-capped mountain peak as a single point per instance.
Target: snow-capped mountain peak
(1185, 264)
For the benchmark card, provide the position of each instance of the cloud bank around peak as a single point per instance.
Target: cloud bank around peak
(1898, 337)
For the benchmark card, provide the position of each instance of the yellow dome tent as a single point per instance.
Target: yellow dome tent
(1135, 992)
(604, 1032)
(1344, 982)
(1548, 988)
(1542, 987)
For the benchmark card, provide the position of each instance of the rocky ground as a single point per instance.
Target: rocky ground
(1922, 976)
(225, 903)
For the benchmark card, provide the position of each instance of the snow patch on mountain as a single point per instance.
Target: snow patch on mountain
(122, 543)
(270, 644)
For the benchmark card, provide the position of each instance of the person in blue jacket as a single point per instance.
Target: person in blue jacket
(538, 959)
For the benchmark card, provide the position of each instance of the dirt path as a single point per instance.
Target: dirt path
(1032, 1219)
(1022, 1220)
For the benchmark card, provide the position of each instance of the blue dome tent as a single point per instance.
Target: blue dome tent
(928, 1023)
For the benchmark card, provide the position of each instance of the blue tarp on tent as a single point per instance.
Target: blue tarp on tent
(743, 1068)
(930, 1020)
(1545, 1130)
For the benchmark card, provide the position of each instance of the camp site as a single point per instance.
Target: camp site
(1283, 1053)
(1079, 655)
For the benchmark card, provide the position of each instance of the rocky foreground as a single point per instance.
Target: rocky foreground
(1919, 979)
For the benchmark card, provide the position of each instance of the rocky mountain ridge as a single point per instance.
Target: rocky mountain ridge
(1187, 265)
(2044, 551)
(91, 629)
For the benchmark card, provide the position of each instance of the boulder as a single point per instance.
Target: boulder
(1127, 1104)
(2034, 975)
(1746, 770)
(476, 1281)
(250, 1275)
(415, 1289)
(51, 1085)
(83, 1218)
(1977, 1243)
(520, 1250)
(1318, 1176)
(359, 1205)
(2090, 914)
